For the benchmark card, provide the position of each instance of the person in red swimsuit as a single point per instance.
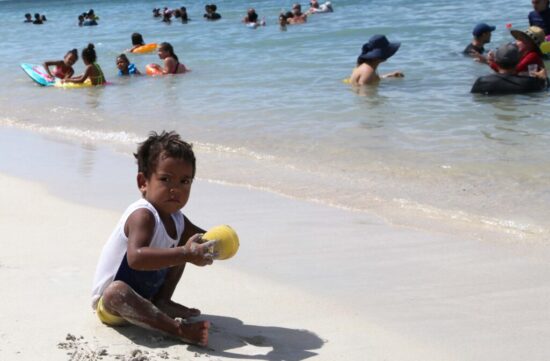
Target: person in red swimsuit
(63, 68)
(528, 42)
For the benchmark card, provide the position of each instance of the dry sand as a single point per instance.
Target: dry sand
(309, 282)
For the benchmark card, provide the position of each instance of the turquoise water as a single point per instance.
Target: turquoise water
(267, 108)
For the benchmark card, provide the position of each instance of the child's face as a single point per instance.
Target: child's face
(121, 64)
(70, 59)
(162, 53)
(168, 188)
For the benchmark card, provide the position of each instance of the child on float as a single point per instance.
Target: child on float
(93, 70)
(528, 42)
(137, 41)
(374, 53)
(63, 68)
(171, 61)
(125, 67)
(145, 256)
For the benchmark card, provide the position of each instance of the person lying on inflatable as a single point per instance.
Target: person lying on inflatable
(315, 8)
(63, 68)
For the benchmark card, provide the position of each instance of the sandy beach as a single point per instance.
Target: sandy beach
(309, 282)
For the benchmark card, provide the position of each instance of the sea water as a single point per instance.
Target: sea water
(267, 107)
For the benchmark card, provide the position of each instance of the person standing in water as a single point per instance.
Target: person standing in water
(540, 16)
(374, 53)
(482, 35)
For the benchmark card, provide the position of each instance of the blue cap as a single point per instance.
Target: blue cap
(482, 28)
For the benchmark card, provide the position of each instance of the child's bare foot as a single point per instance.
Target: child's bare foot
(174, 309)
(194, 333)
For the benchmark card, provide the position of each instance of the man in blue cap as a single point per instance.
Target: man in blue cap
(482, 35)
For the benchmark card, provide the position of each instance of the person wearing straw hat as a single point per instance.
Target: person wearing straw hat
(540, 16)
(528, 42)
(375, 52)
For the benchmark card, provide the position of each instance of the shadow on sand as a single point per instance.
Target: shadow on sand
(231, 338)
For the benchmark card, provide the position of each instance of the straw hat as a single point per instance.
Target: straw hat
(534, 35)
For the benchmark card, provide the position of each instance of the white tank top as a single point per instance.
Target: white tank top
(115, 249)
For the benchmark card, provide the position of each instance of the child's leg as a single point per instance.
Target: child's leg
(163, 299)
(121, 300)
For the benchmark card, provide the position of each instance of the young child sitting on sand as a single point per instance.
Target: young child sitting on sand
(92, 71)
(145, 256)
(373, 53)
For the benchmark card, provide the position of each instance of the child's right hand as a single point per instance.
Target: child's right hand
(197, 252)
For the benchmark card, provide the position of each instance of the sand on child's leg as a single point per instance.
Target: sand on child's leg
(121, 300)
(163, 299)
(174, 309)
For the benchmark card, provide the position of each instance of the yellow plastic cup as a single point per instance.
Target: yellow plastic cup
(227, 243)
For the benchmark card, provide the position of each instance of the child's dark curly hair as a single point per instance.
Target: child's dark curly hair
(166, 145)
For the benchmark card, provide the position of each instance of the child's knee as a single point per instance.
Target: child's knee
(115, 293)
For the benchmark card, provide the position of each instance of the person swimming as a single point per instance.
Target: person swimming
(37, 19)
(63, 68)
(137, 41)
(282, 21)
(210, 12)
(181, 14)
(167, 16)
(251, 18)
(315, 8)
(125, 67)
